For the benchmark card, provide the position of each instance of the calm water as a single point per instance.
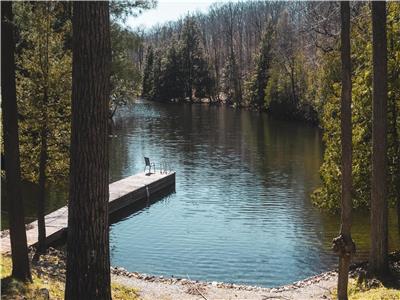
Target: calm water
(241, 212)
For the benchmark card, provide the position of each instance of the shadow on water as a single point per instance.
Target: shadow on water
(132, 209)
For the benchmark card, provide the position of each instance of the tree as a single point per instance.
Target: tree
(259, 79)
(19, 248)
(195, 67)
(378, 259)
(344, 245)
(148, 73)
(43, 89)
(88, 261)
(125, 75)
(172, 79)
(328, 83)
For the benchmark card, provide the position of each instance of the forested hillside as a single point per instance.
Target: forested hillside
(261, 55)
(282, 58)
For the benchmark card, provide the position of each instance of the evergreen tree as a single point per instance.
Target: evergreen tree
(88, 258)
(43, 86)
(231, 81)
(327, 196)
(259, 78)
(195, 67)
(172, 79)
(190, 48)
(155, 92)
(204, 83)
(148, 73)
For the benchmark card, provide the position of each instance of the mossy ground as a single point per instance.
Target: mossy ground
(357, 292)
(381, 292)
(13, 289)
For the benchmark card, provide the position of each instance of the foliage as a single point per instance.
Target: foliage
(172, 77)
(43, 86)
(121, 9)
(125, 76)
(256, 86)
(148, 73)
(329, 194)
(180, 71)
(230, 81)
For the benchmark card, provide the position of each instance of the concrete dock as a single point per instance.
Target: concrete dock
(125, 192)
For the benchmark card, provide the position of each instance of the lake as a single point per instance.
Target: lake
(241, 212)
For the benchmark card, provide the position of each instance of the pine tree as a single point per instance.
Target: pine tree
(88, 257)
(172, 79)
(231, 81)
(148, 78)
(43, 87)
(155, 92)
(195, 67)
(259, 79)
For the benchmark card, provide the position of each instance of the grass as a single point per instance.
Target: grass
(356, 292)
(13, 289)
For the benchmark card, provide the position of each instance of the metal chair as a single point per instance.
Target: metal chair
(149, 165)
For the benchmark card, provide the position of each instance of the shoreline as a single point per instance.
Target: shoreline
(320, 286)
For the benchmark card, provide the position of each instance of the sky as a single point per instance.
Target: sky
(168, 10)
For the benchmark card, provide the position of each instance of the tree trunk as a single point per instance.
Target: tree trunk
(344, 245)
(19, 248)
(88, 260)
(43, 149)
(378, 260)
(42, 184)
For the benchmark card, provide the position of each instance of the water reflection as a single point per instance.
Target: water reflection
(241, 212)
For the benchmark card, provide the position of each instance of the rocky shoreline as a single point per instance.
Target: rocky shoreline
(119, 271)
(320, 286)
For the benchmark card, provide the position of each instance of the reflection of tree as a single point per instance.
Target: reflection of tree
(360, 231)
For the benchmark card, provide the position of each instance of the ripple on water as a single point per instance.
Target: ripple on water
(241, 212)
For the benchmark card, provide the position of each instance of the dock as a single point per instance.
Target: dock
(123, 193)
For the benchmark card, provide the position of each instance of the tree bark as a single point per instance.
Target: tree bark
(42, 183)
(88, 261)
(378, 260)
(43, 148)
(344, 245)
(19, 248)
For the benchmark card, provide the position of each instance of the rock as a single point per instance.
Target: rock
(214, 283)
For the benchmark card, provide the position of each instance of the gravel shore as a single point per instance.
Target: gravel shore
(159, 287)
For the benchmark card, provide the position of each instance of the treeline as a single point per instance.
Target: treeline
(258, 54)
(181, 71)
(284, 58)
